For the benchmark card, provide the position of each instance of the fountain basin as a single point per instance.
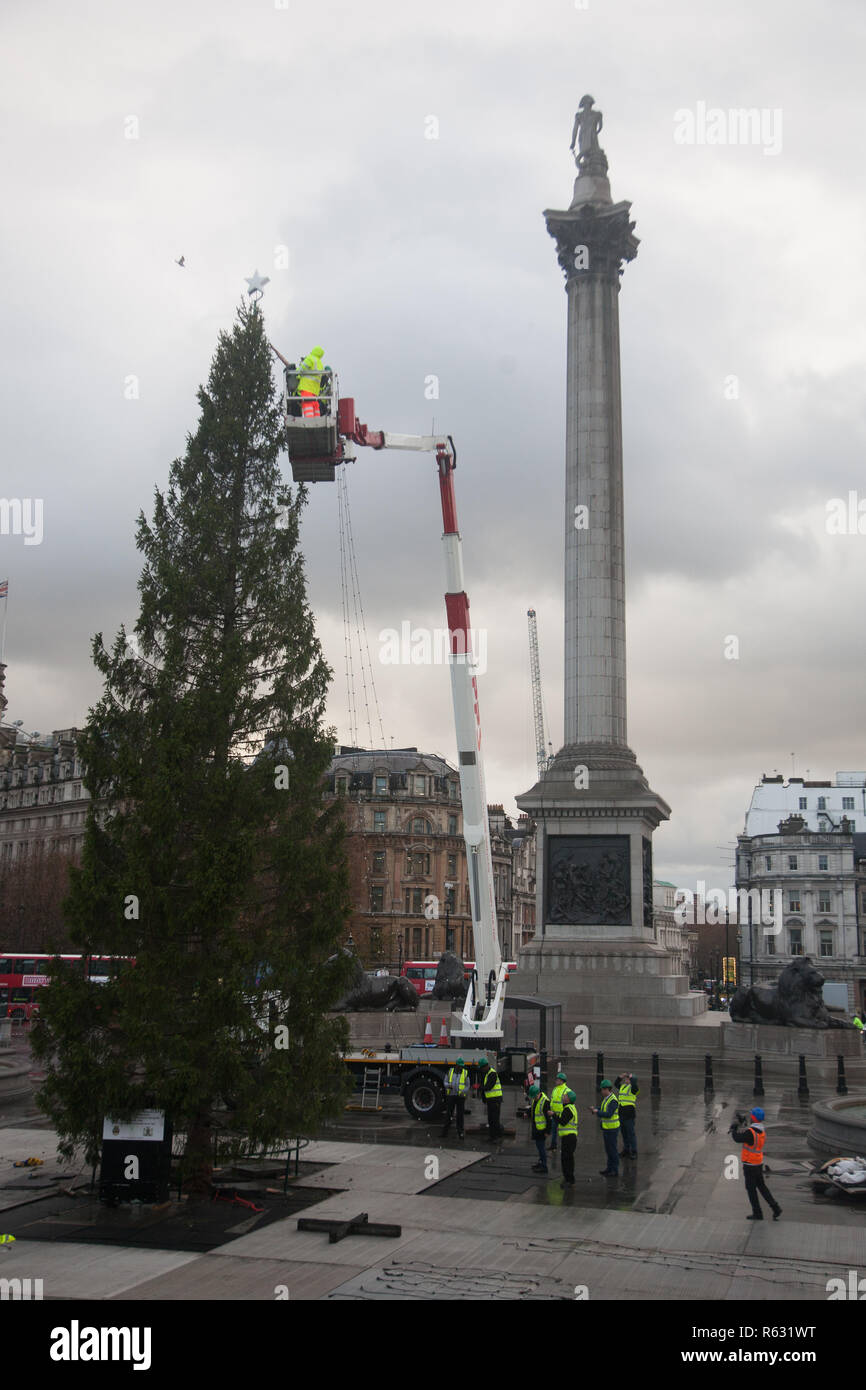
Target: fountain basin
(839, 1126)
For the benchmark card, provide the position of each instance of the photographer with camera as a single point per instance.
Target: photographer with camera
(752, 1137)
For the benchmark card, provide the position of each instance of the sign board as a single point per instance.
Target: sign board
(146, 1125)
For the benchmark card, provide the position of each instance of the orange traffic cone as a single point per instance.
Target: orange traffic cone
(428, 1033)
(443, 1034)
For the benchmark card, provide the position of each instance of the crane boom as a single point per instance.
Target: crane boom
(482, 1011)
(315, 447)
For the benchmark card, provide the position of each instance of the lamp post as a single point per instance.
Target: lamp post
(449, 935)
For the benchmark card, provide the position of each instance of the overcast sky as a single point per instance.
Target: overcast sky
(225, 131)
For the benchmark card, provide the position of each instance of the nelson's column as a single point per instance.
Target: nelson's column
(594, 949)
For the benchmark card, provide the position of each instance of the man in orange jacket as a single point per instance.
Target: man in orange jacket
(752, 1138)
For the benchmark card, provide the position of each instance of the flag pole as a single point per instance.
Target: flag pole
(5, 606)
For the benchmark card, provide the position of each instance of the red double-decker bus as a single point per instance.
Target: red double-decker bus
(422, 973)
(23, 973)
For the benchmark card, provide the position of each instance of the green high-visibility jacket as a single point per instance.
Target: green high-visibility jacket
(609, 1113)
(557, 1097)
(539, 1120)
(462, 1081)
(311, 363)
(568, 1120)
(626, 1095)
(491, 1081)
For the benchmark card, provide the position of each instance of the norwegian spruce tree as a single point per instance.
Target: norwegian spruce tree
(209, 857)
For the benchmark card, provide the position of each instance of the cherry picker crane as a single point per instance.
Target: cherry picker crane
(316, 446)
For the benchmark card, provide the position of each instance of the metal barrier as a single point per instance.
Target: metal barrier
(225, 1150)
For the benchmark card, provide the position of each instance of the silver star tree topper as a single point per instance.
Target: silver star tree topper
(257, 284)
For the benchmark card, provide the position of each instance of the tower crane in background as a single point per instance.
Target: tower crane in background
(543, 752)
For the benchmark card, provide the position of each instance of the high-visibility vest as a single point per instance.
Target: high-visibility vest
(462, 1081)
(538, 1120)
(858, 1023)
(606, 1122)
(568, 1121)
(313, 384)
(495, 1092)
(557, 1097)
(626, 1095)
(753, 1153)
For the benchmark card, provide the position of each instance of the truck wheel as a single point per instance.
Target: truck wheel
(424, 1095)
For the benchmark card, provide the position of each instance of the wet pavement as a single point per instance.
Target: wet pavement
(477, 1223)
(684, 1150)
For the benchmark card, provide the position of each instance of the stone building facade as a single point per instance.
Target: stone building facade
(407, 858)
(43, 800)
(815, 856)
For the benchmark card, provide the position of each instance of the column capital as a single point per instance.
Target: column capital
(604, 229)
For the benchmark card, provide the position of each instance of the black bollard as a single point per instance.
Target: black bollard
(759, 1077)
(655, 1085)
(802, 1083)
(599, 1070)
(841, 1088)
(708, 1072)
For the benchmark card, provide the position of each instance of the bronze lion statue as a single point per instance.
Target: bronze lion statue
(794, 1001)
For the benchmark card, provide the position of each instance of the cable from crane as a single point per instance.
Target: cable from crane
(347, 642)
(360, 620)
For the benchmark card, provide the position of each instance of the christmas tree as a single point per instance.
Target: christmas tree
(210, 860)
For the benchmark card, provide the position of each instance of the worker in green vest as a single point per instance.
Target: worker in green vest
(539, 1119)
(608, 1114)
(557, 1100)
(491, 1090)
(626, 1093)
(568, 1136)
(858, 1023)
(456, 1091)
(310, 382)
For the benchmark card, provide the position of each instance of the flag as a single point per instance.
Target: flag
(4, 588)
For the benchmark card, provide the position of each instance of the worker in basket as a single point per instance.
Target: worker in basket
(310, 382)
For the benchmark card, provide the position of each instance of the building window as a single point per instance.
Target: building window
(381, 786)
(793, 902)
(376, 941)
(450, 899)
(822, 861)
(417, 862)
(420, 786)
(792, 861)
(452, 866)
(452, 825)
(420, 827)
(824, 904)
(826, 943)
(768, 862)
(771, 945)
(847, 803)
(795, 938)
(414, 900)
(379, 862)
(803, 803)
(342, 786)
(379, 820)
(822, 803)
(377, 899)
(416, 942)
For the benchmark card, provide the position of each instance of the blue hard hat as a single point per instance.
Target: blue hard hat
(757, 1113)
